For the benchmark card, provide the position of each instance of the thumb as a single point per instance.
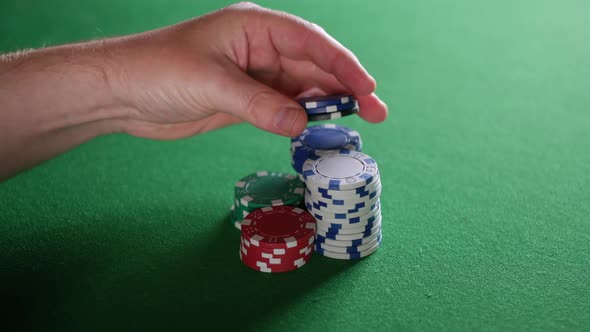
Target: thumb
(254, 102)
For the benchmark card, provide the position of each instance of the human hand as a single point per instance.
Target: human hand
(241, 63)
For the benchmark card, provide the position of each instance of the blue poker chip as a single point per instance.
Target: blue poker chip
(332, 108)
(340, 170)
(323, 101)
(333, 115)
(298, 160)
(326, 137)
(297, 163)
(320, 138)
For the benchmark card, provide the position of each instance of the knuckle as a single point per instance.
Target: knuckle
(244, 5)
(315, 27)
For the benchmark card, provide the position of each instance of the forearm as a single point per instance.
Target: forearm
(52, 100)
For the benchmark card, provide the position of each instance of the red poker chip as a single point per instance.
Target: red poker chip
(278, 268)
(295, 252)
(253, 255)
(273, 264)
(279, 227)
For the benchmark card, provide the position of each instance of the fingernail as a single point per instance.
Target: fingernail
(286, 118)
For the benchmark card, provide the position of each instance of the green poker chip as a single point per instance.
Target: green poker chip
(262, 189)
(238, 213)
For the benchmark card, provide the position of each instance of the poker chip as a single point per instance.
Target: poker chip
(278, 227)
(323, 101)
(327, 214)
(268, 268)
(346, 243)
(323, 228)
(349, 223)
(269, 189)
(343, 191)
(340, 170)
(349, 256)
(326, 137)
(255, 254)
(338, 226)
(332, 108)
(332, 207)
(277, 252)
(263, 189)
(346, 218)
(344, 206)
(356, 193)
(332, 116)
(376, 228)
(321, 138)
(277, 238)
(348, 250)
(232, 218)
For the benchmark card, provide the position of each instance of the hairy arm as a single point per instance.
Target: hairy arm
(52, 100)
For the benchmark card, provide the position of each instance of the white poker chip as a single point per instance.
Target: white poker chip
(357, 193)
(349, 237)
(352, 249)
(348, 220)
(351, 230)
(329, 215)
(344, 206)
(335, 226)
(340, 170)
(346, 243)
(349, 256)
(344, 200)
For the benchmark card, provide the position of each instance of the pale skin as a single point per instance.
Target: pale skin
(241, 63)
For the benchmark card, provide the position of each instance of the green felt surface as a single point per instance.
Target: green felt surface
(485, 165)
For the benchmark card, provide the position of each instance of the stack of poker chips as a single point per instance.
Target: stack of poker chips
(329, 107)
(321, 138)
(277, 239)
(343, 191)
(262, 189)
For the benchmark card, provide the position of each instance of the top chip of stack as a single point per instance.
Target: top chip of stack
(322, 138)
(277, 238)
(262, 189)
(329, 107)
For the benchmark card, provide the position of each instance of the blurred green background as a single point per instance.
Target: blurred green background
(485, 164)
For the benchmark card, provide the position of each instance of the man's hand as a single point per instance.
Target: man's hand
(241, 63)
